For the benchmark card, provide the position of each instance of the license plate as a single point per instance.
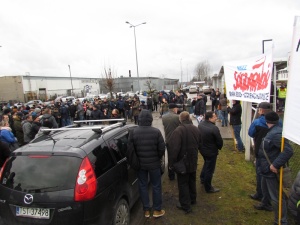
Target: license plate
(37, 213)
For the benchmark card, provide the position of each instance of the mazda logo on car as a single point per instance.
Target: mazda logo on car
(28, 199)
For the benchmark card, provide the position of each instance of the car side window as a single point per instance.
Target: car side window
(119, 145)
(102, 159)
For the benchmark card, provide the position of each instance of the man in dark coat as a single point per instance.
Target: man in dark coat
(185, 141)
(170, 122)
(212, 142)
(271, 148)
(149, 145)
(199, 108)
(236, 122)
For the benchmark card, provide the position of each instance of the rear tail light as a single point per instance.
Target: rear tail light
(2, 168)
(86, 182)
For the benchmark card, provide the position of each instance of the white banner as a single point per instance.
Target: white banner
(291, 124)
(250, 79)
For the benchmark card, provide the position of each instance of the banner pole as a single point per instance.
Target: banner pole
(280, 187)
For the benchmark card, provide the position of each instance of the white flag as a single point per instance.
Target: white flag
(291, 124)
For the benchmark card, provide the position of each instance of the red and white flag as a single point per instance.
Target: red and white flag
(249, 79)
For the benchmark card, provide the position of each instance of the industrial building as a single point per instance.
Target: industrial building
(23, 88)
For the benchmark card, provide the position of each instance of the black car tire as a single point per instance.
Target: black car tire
(122, 213)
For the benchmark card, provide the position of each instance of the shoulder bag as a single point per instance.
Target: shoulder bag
(287, 173)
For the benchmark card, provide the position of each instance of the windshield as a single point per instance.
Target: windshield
(40, 174)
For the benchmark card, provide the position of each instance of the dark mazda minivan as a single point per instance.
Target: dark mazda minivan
(70, 176)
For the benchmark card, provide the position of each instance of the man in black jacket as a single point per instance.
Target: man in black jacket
(236, 122)
(185, 142)
(149, 145)
(212, 142)
(199, 108)
(271, 158)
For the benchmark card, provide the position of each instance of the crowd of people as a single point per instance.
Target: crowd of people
(20, 125)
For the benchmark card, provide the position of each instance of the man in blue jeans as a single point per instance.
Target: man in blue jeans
(235, 121)
(258, 130)
(149, 145)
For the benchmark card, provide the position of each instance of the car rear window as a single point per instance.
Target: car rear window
(38, 174)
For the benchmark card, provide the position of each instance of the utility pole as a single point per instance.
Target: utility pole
(72, 93)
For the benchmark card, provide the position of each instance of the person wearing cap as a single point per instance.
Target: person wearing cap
(170, 122)
(199, 108)
(271, 147)
(258, 130)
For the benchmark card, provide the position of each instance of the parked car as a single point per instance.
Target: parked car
(130, 94)
(193, 89)
(72, 176)
(70, 98)
(206, 89)
(33, 102)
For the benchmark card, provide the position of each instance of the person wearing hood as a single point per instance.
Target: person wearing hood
(149, 145)
(236, 122)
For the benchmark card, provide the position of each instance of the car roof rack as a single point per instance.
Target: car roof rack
(104, 120)
(96, 129)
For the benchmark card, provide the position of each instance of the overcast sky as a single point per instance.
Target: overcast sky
(43, 37)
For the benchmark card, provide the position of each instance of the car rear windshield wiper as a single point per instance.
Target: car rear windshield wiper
(42, 189)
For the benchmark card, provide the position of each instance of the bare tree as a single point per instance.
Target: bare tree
(109, 81)
(150, 86)
(202, 71)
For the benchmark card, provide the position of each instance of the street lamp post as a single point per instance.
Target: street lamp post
(136, 57)
(71, 80)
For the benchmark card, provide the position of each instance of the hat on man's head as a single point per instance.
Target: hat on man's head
(34, 115)
(272, 117)
(172, 106)
(264, 105)
(37, 110)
